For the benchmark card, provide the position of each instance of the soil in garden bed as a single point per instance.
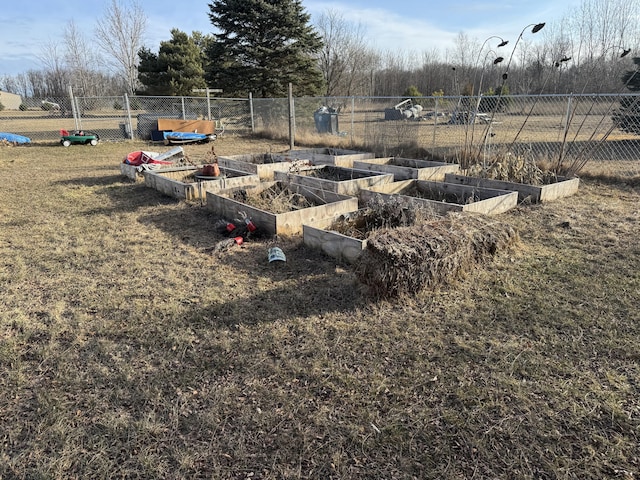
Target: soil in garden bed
(332, 173)
(276, 199)
(439, 196)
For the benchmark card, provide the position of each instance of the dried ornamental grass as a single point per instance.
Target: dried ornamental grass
(409, 259)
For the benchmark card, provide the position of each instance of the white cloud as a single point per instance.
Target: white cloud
(387, 30)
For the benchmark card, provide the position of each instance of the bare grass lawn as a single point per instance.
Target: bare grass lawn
(128, 350)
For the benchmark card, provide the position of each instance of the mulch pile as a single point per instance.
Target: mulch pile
(407, 260)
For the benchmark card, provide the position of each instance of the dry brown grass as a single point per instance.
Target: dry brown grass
(128, 350)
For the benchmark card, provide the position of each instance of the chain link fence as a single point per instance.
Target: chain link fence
(120, 118)
(543, 125)
(548, 127)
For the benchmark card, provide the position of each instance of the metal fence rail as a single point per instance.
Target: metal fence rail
(543, 126)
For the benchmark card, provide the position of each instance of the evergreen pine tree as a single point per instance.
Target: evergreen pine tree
(177, 68)
(261, 47)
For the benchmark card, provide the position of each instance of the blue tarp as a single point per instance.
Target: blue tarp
(14, 138)
(186, 137)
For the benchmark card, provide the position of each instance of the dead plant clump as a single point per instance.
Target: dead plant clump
(276, 199)
(510, 167)
(381, 214)
(409, 259)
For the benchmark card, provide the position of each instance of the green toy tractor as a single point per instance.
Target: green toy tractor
(78, 137)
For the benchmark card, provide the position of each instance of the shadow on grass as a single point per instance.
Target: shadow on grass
(613, 181)
(307, 283)
(187, 223)
(319, 294)
(96, 181)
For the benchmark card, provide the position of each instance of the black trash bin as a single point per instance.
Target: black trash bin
(326, 120)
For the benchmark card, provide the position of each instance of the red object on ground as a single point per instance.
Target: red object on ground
(141, 157)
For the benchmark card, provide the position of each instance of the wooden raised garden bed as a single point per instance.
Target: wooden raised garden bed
(564, 187)
(346, 181)
(132, 172)
(184, 183)
(408, 168)
(319, 235)
(445, 197)
(261, 164)
(345, 236)
(279, 208)
(331, 156)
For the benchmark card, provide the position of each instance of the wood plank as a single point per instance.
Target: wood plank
(334, 244)
(199, 126)
(564, 187)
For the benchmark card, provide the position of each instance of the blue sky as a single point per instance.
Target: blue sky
(408, 26)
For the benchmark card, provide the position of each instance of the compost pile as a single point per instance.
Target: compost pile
(409, 259)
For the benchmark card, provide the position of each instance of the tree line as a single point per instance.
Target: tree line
(259, 47)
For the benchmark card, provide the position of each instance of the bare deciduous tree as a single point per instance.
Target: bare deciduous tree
(81, 61)
(345, 58)
(54, 79)
(119, 33)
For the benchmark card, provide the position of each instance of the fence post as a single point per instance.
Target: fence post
(73, 108)
(435, 123)
(292, 119)
(128, 109)
(353, 112)
(184, 116)
(253, 126)
(568, 115)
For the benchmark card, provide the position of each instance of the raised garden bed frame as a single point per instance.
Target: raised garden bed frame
(408, 168)
(564, 187)
(171, 182)
(289, 223)
(491, 201)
